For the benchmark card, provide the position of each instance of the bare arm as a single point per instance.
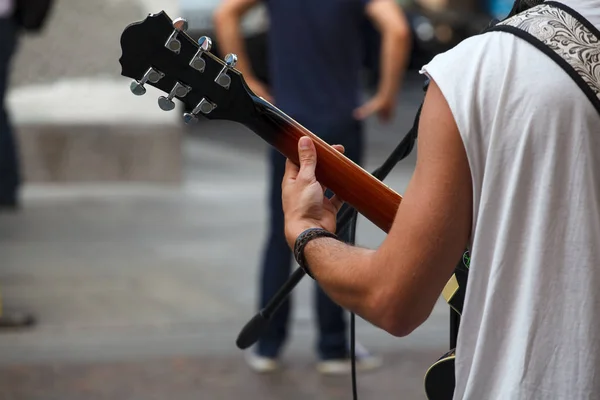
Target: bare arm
(227, 20)
(396, 286)
(395, 51)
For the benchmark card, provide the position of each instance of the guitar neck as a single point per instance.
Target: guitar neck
(357, 187)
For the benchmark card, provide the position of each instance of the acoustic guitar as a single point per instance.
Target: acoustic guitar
(439, 378)
(158, 52)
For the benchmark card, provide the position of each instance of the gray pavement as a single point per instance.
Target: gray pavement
(80, 40)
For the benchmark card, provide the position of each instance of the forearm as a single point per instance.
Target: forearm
(395, 52)
(346, 274)
(230, 39)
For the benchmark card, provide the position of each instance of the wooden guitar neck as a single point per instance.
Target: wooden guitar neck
(368, 195)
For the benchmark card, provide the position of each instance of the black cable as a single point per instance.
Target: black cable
(352, 240)
(401, 151)
(352, 356)
(349, 219)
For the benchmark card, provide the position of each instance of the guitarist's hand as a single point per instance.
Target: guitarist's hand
(304, 203)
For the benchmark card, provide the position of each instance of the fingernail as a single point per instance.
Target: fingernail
(304, 142)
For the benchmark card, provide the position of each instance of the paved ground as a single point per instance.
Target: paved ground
(81, 40)
(141, 290)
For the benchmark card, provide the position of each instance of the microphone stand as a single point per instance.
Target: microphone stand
(256, 326)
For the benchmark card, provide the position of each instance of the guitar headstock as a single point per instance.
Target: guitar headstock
(158, 52)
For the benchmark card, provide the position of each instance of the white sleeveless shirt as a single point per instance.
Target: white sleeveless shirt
(531, 322)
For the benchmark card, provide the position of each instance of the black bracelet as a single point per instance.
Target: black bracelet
(301, 242)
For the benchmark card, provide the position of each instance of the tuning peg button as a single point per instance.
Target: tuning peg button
(173, 43)
(152, 75)
(137, 88)
(205, 43)
(230, 60)
(223, 78)
(180, 90)
(180, 24)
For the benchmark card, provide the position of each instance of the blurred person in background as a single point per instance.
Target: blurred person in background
(9, 164)
(9, 174)
(15, 16)
(316, 50)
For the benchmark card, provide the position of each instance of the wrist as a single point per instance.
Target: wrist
(303, 240)
(293, 230)
(385, 94)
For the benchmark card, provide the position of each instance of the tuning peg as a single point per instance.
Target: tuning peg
(179, 90)
(152, 75)
(205, 43)
(205, 107)
(223, 79)
(173, 43)
(230, 60)
(197, 62)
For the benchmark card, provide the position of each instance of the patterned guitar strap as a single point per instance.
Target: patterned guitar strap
(563, 35)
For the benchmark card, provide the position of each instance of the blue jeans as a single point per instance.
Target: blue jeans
(277, 256)
(9, 164)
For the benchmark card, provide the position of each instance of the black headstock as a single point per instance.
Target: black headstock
(158, 52)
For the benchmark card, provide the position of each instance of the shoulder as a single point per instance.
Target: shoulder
(473, 75)
(476, 75)
(469, 57)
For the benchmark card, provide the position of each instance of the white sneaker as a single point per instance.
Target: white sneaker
(340, 366)
(365, 361)
(261, 364)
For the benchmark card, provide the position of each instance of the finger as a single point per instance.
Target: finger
(291, 170)
(336, 202)
(365, 110)
(307, 154)
(269, 98)
(386, 114)
(339, 148)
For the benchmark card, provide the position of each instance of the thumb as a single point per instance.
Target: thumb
(307, 155)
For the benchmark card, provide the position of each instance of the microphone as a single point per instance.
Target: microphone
(257, 325)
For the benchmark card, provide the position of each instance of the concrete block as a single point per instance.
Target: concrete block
(95, 130)
(100, 153)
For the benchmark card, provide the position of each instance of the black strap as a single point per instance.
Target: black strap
(347, 220)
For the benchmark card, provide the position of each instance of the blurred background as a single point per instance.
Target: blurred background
(137, 243)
